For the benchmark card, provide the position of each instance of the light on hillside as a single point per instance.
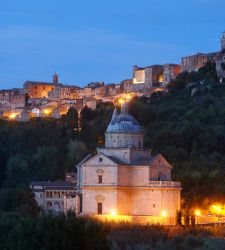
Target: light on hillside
(197, 212)
(164, 213)
(13, 116)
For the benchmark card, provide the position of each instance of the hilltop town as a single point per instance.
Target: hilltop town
(53, 99)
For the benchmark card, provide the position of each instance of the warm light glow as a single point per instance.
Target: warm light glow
(13, 115)
(163, 213)
(47, 111)
(121, 101)
(218, 209)
(114, 213)
(161, 78)
(197, 212)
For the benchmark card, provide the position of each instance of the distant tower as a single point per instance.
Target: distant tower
(55, 78)
(133, 70)
(222, 41)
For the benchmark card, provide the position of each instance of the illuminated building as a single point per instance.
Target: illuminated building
(151, 75)
(40, 89)
(123, 178)
(50, 196)
(170, 72)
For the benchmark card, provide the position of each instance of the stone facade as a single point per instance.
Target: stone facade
(152, 75)
(38, 89)
(222, 41)
(125, 178)
(220, 65)
(50, 195)
(170, 72)
(194, 62)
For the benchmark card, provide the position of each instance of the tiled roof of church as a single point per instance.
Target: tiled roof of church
(123, 123)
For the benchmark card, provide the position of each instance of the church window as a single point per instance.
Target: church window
(99, 208)
(153, 205)
(100, 179)
(100, 159)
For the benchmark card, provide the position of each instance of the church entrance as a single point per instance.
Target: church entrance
(99, 208)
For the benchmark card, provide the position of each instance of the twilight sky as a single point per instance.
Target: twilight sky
(100, 40)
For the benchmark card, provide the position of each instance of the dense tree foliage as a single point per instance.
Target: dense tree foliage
(48, 233)
(18, 201)
(71, 233)
(187, 126)
(44, 149)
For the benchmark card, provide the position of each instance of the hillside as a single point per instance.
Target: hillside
(185, 124)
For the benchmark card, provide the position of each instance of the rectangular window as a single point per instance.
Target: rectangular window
(100, 179)
(99, 208)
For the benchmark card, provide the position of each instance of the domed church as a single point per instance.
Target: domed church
(124, 178)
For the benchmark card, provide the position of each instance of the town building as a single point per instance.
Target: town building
(50, 196)
(90, 102)
(170, 72)
(152, 75)
(194, 62)
(40, 89)
(63, 92)
(17, 101)
(222, 41)
(124, 178)
(220, 65)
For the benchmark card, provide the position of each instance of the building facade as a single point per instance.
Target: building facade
(170, 72)
(194, 62)
(152, 75)
(50, 196)
(124, 177)
(38, 89)
(222, 41)
(220, 65)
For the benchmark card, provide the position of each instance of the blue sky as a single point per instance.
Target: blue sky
(100, 40)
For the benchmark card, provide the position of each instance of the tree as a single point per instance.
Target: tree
(71, 122)
(76, 151)
(17, 171)
(20, 201)
(178, 218)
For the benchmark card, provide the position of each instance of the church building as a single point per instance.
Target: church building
(123, 178)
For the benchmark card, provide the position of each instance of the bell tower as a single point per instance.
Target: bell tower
(55, 78)
(222, 41)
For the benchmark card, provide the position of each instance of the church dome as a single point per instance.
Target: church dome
(124, 123)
